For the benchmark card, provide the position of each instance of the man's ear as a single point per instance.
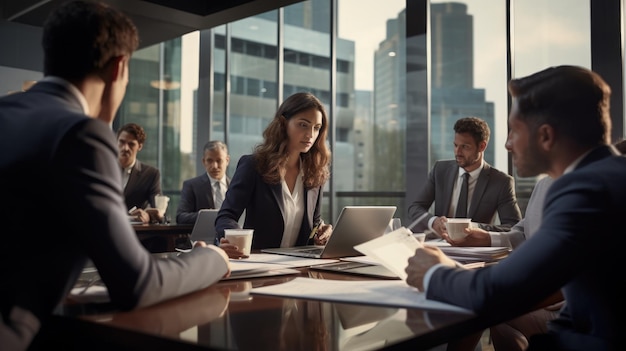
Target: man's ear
(546, 136)
(482, 146)
(115, 69)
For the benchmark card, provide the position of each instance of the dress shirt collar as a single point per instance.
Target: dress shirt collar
(222, 181)
(573, 165)
(130, 168)
(473, 174)
(72, 89)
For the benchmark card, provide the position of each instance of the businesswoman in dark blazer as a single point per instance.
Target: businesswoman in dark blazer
(280, 184)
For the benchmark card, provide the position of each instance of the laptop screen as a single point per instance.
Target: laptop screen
(204, 228)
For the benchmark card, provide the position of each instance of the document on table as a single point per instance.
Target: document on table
(468, 254)
(392, 250)
(289, 261)
(263, 265)
(391, 293)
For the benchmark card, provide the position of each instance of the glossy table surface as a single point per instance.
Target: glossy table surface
(226, 317)
(158, 237)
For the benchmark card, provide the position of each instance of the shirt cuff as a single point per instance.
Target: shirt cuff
(432, 270)
(430, 223)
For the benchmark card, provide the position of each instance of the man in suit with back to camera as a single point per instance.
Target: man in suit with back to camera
(488, 190)
(202, 191)
(559, 124)
(63, 154)
(141, 182)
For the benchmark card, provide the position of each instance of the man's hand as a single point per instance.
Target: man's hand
(425, 257)
(155, 215)
(475, 237)
(217, 249)
(439, 226)
(142, 215)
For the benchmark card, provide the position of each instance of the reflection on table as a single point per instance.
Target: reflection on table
(163, 237)
(226, 317)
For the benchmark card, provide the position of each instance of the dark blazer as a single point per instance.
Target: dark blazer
(143, 185)
(196, 194)
(263, 204)
(494, 193)
(68, 162)
(578, 249)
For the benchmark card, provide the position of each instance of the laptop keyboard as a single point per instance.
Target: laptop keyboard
(312, 251)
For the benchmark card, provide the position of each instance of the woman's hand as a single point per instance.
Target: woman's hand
(323, 234)
(232, 250)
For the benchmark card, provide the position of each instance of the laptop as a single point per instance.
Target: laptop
(355, 225)
(204, 228)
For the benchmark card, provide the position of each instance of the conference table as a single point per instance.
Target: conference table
(226, 317)
(158, 238)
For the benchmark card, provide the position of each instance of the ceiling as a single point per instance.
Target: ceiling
(156, 20)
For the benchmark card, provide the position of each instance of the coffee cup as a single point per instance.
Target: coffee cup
(456, 226)
(242, 238)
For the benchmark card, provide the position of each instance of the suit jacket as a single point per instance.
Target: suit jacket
(143, 185)
(494, 193)
(196, 194)
(578, 244)
(264, 207)
(531, 222)
(68, 162)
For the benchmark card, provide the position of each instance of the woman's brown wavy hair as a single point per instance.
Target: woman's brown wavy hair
(271, 155)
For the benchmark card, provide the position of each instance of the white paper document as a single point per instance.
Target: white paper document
(392, 250)
(487, 254)
(372, 292)
(288, 261)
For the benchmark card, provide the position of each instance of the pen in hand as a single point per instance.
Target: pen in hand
(314, 231)
(132, 209)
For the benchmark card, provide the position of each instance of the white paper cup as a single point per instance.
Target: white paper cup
(241, 291)
(161, 202)
(456, 226)
(242, 238)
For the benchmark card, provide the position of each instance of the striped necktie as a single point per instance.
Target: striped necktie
(219, 195)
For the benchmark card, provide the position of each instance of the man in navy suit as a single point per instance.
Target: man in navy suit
(60, 151)
(201, 192)
(559, 125)
(141, 182)
(490, 191)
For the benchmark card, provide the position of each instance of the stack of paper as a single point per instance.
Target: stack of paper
(475, 254)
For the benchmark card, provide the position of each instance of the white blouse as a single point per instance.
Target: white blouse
(294, 211)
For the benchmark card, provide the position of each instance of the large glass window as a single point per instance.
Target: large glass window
(468, 73)
(153, 100)
(544, 35)
(391, 115)
(370, 114)
(253, 73)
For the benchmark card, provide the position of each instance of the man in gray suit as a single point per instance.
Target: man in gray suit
(201, 192)
(489, 191)
(61, 166)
